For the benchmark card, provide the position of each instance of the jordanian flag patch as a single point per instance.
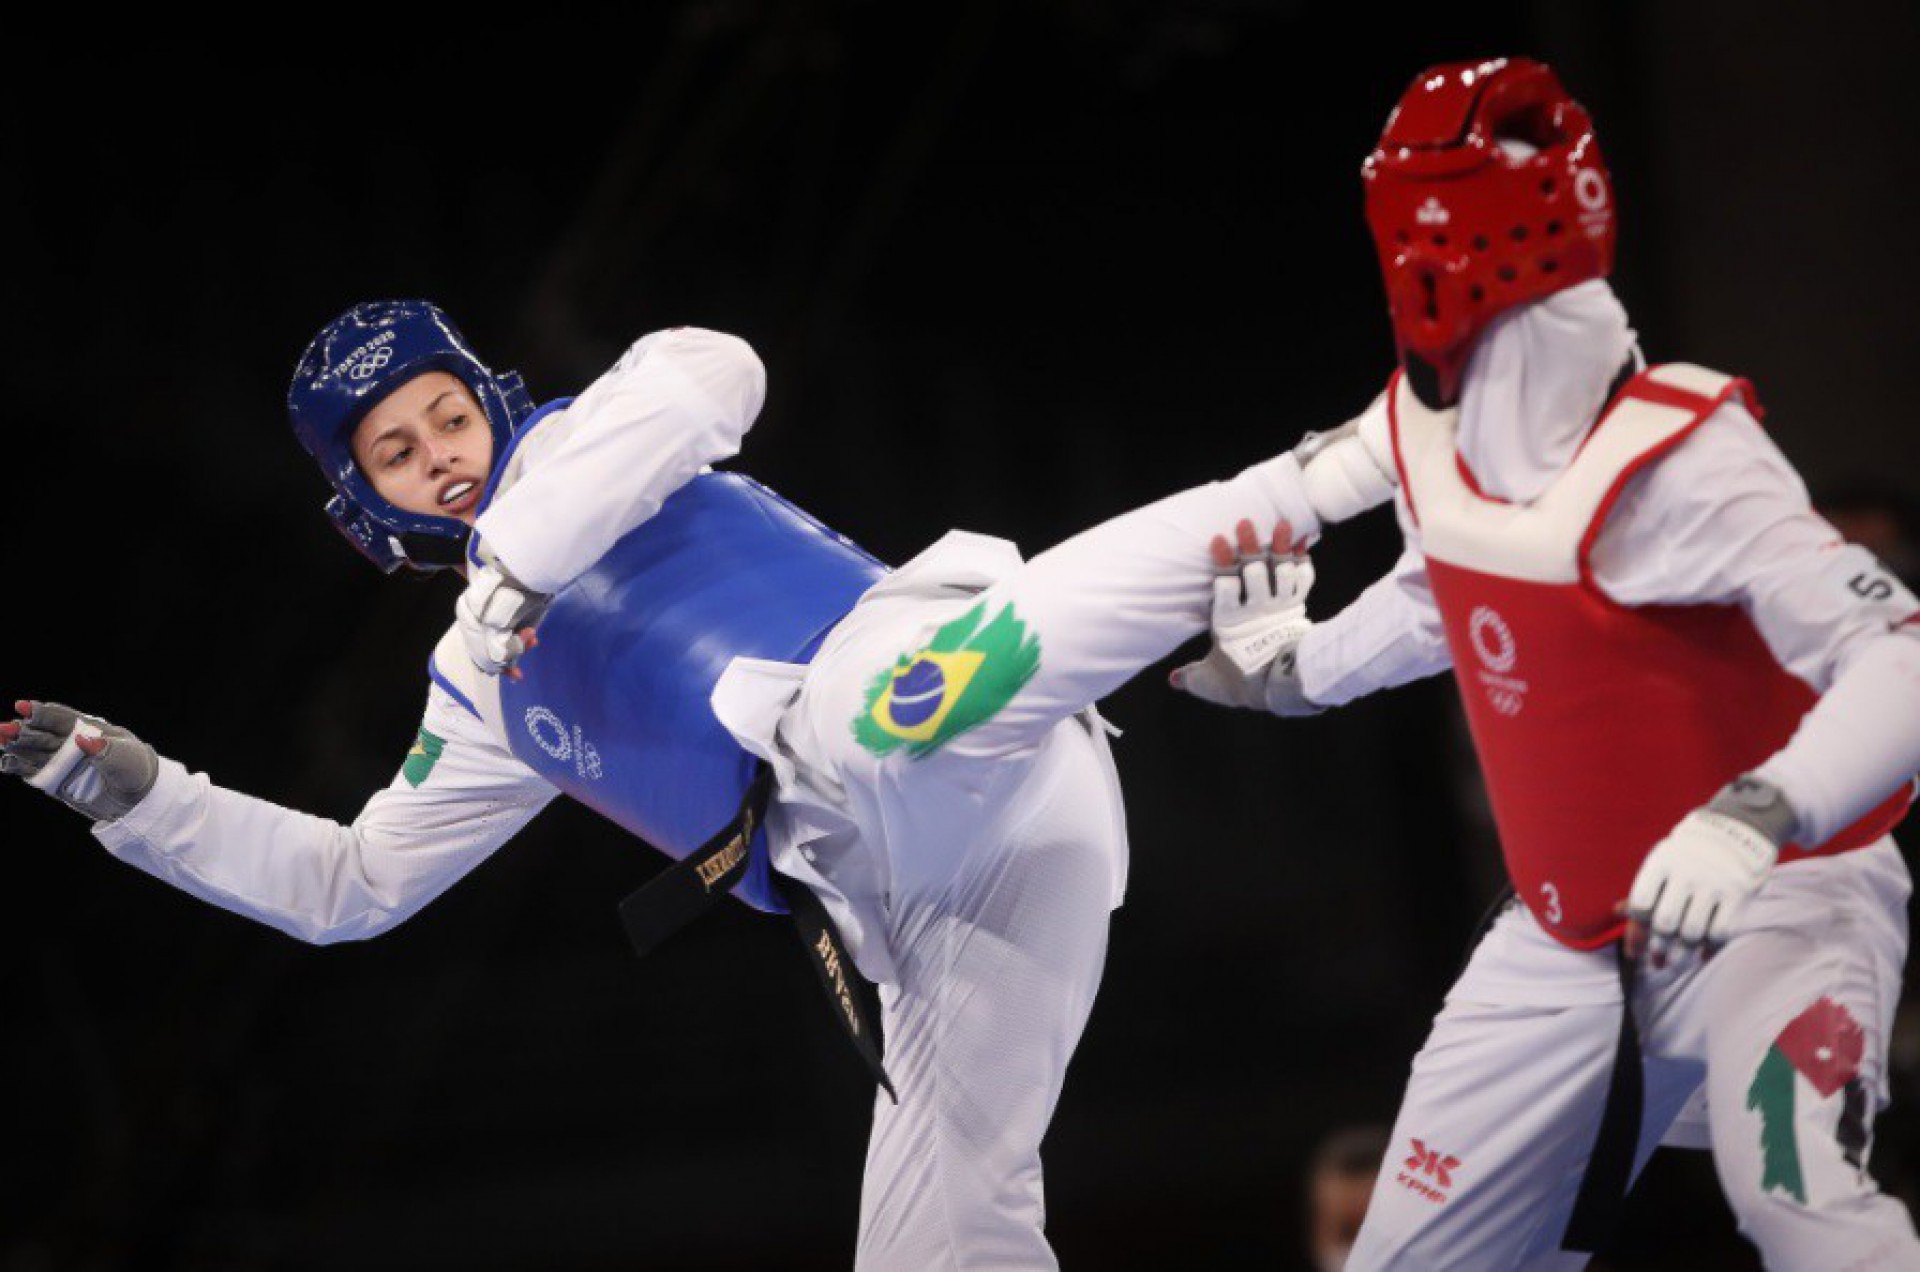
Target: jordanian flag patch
(968, 671)
(420, 761)
(1815, 1057)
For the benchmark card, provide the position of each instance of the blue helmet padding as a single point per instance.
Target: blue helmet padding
(355, 361)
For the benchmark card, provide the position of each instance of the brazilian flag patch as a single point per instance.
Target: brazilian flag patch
(966, 674)
(420, 761)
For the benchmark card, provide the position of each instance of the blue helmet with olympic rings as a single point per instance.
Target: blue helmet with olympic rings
(355, 361)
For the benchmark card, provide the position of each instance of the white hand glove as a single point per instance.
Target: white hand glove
(494, 614)
(1692, 886)
(1259, 616)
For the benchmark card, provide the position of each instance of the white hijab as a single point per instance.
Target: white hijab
(1534, 383)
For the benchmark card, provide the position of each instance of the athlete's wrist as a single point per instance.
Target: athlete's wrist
(1755, 802)
(1285, 694)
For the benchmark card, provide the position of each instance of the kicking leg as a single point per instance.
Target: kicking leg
(1065, 629)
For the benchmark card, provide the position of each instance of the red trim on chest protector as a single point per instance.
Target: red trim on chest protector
(1642, 387)
(1645, 388)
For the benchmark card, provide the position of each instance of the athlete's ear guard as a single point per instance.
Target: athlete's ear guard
(513, 391)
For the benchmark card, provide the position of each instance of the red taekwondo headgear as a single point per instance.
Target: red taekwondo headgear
(1467, 228)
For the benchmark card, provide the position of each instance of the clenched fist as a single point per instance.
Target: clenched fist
(497, 614)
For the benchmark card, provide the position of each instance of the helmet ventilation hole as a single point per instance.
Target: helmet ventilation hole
(1508, 273)
(1480, 243)
(1553, 227)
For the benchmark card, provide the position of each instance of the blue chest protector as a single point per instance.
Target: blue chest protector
(613, 706)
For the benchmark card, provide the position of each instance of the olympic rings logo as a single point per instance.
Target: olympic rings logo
(380, 357)
(550, 733)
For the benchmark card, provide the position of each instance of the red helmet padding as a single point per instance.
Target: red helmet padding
(1464, 229)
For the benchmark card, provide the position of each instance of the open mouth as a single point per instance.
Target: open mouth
(459, 496)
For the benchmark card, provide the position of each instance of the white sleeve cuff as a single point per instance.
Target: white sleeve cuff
(158, 817)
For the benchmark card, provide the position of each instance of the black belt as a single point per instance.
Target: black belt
(1609, 1174)
(1603, 1190)
(691, 886)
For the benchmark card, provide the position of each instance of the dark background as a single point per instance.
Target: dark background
(1014, 267)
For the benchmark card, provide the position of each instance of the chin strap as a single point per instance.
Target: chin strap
(429, 552)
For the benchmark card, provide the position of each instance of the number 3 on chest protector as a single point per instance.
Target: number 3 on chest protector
(1550, 903)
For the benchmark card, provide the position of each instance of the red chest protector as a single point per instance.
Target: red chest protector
(1598, 725)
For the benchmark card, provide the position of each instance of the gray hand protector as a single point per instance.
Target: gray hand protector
(47, 754)
(1759, 804)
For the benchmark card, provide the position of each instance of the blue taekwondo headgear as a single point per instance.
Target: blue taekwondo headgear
(355, 361)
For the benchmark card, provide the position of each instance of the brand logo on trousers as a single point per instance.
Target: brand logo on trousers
(1494, 645)
(1428, 1172)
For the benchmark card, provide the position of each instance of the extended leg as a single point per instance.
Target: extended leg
(1062, 631)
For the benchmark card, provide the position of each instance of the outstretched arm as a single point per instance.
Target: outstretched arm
(457, 798)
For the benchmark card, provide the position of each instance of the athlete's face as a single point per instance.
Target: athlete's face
(426, 447)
